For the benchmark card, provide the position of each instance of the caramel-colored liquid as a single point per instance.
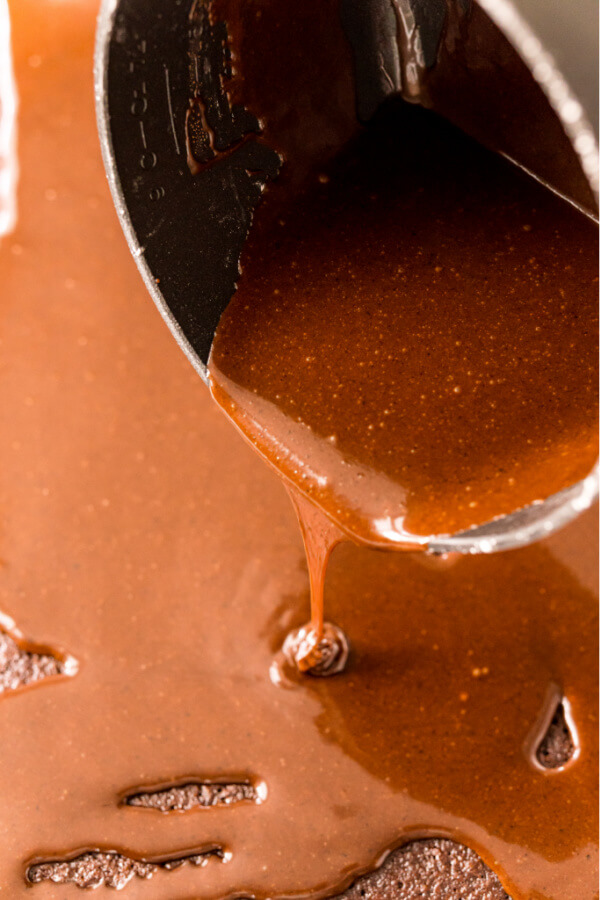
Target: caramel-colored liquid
(141, 536)
(413, 340)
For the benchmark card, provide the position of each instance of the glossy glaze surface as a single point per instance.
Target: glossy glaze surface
(413, 338)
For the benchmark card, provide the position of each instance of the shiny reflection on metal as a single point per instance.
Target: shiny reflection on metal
(526, 525)
(537, 521)
(540, 61)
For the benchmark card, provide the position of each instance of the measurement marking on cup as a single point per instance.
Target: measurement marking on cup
(171, 117)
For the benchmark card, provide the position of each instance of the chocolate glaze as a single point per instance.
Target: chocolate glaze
(142, 536)
(412, 343)
(413, 340)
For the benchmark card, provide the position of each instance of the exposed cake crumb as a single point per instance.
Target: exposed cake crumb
(20, 667)
(194, 795)
(557, 746)
(95, 868)
(434, 869)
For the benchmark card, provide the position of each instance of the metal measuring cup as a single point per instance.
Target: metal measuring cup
(187, 166)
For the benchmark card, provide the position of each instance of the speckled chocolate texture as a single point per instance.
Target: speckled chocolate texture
(557, 746)
(93, 869)
(194, 795)
(434, 869)
(20, 667)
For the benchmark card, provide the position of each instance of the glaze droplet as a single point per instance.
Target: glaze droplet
(314, 655)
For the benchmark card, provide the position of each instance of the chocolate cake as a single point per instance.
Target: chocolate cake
(434, 868)
(178, 756)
